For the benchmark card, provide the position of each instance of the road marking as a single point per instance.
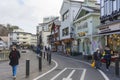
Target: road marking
(76, 68)
(56, 65)
(83, 74)
(58, 74)
(69, 76)
(101, 72)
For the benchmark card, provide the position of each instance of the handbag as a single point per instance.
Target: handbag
(93, 64)
(103, 60)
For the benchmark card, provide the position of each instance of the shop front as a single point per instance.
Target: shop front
(110, 35)
(113, 40)
(67, 47)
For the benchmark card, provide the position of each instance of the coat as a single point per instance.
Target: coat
(107, 54)
(97, 56)
(14, 57)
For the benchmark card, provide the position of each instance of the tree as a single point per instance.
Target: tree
(10, 28)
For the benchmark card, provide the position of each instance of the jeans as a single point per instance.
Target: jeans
(108, 62)
(98, 64)
(14, 70)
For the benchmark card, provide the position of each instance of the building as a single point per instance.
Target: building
(43, 31)
(48, 19)
(86, 22)
(42, 34)
(68, 11)
(19, 37)
(54, 37)
(109, 29)
(33, 39)
(3, 42)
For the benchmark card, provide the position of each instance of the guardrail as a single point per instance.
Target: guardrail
(4, 55)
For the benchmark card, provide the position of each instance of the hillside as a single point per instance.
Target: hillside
(3, 31)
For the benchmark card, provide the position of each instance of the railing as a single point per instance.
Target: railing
(4, 55)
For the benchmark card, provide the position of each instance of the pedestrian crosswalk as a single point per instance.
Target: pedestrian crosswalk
(71, 74)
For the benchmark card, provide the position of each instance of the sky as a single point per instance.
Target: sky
(27, 14)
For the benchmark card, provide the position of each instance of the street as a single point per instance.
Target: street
(6, 73)
(70, 69)
(61, 68)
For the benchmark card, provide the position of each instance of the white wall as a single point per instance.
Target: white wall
(73, 9)
(44, 38)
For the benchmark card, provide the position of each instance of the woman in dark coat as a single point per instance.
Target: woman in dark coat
(14, 60)
(97, 57)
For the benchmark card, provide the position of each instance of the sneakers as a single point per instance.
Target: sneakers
(14, 77)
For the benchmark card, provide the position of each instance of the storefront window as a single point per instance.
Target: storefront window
(114, 42)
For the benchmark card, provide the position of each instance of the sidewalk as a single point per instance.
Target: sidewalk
(5, 69)
(110, 74)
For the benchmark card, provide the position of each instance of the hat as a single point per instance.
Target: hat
(97, 49)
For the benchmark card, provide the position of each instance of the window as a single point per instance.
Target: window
(117, 4)
(102, 7)
(83, 26)
(65, 15)
(114, 5)
(111, 6)
(17, 37)
(24, 34)
(65, 31)
(79, 27)
(83, 13)
(105, 7)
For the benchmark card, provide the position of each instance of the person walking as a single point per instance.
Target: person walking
(38, 51)
(107, 57)
(14, 57)
(97, 57)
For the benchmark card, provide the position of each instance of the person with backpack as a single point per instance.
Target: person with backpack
(14, 57)
(97, 57)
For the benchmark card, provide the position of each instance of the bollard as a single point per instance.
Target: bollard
(117, 67)
(40, 63)
(40, 53)
(49, 58)
(27, 67)
(44, 55)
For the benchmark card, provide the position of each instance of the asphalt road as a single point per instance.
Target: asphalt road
(70, 69)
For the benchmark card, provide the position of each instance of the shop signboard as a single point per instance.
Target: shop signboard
(109, 28)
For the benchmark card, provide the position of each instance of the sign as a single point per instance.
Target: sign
(82, 34)
(109, 28)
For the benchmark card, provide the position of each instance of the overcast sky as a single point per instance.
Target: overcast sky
(28, 13)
